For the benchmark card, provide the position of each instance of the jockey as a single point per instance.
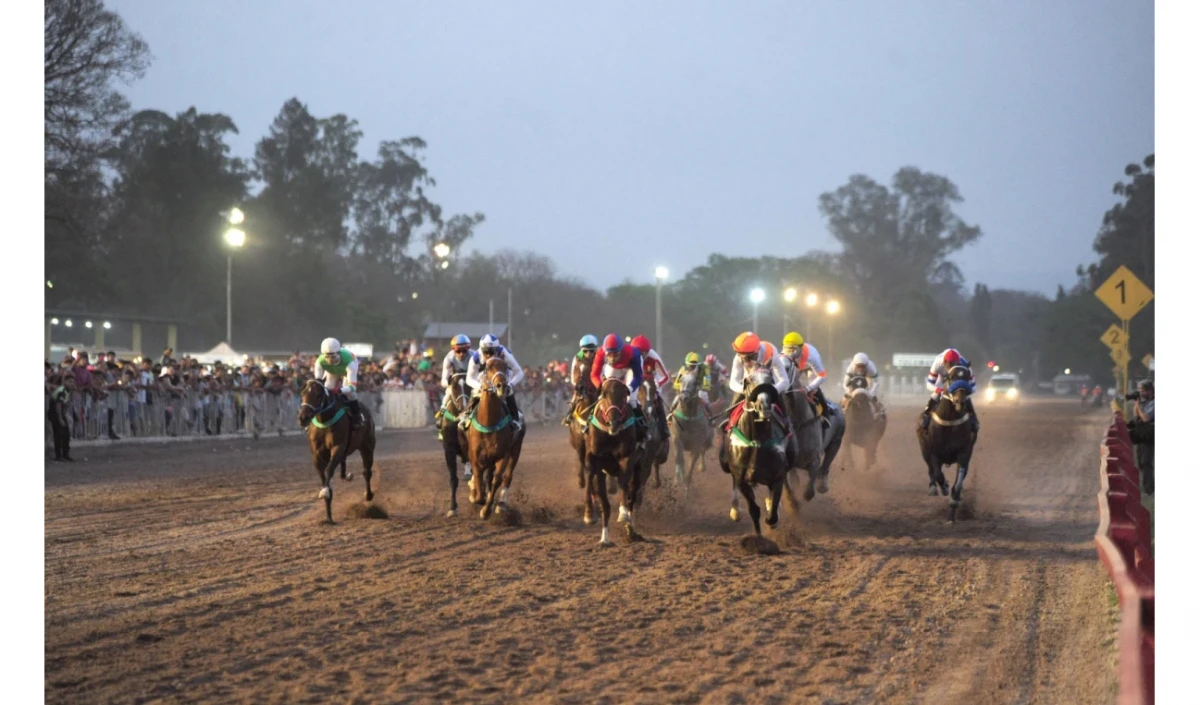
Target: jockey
(692, 365)
(333, 366)
(456, 362)
(937, 382)
(580, 374)
(752, 352)
(622, 362)
(489, 347)
(654, 368)
(714, 365)
(809, 371)
(861, 366)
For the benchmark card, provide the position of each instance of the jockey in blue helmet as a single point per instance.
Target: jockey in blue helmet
(455, 363)
(489, 346)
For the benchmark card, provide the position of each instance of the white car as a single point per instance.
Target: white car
(1002, 388)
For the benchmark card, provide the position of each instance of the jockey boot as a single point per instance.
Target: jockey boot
(570, 411)
(465, 420)
(355, 411)
(639, 424)
(970, 407)
(511, 399)
(925, 415)
(662, 420)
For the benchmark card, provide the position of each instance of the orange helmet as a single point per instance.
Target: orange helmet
(746, 343)
(641, 343)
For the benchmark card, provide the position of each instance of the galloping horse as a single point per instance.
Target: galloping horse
(806, 432)
(757, 452)
(949, 439)
(692, 434)
(657, 449)
(329, 437)
(454, 442)
(862, 428)
(493, 444)
(613, 450)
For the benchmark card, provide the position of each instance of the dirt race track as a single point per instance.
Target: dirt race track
(202, 572)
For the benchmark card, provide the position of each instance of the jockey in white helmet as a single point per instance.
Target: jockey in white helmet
(861, 366)
(338, 369)
(489, 346)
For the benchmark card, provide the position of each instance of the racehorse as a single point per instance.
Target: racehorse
(493, 443)
(657, 450)
(757, 451)
(862, 428)
(613, 450)
(949, 439)
(454, 442)
(807, 434)
(329, 437)
(693, 434)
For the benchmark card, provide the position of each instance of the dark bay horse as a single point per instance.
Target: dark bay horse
(613, 450)
(493, 443)
(693, 434)
(949, 439)
(807, 438)
(758, 452)
(454, 442)
(657, 449)
(862, 428)
(324, 413)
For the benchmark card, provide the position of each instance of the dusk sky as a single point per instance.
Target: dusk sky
(613, 137)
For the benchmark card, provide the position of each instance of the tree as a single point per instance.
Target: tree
(981, 317)
(895, 243)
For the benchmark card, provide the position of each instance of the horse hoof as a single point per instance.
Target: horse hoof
(348, 476)
(733, 514)
(467, 476)
(588, 520)
(323, 494)
(483, 513)
(955, 504)
(809, 493)
(623, 515)
(605, 543)
(933, 490)
(822, 484)
(502, 507)
(452, 513)
(945, 490)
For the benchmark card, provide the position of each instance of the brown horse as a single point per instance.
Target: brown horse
(493, 443)
(324, 413)
(862, 428)
(613, 450)
(454, 442)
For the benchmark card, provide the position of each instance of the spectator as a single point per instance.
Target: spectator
(1141, 432)
(60, 403)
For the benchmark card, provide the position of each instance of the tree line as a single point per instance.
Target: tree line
(342, 241)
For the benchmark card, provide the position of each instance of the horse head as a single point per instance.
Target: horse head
(495, 377)
(960, 386)
(689, 386)
(761, 395)
(315, 399)
(613, 405)
(460, 393)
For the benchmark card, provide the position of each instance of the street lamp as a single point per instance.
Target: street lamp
(236, 239)
(757, 296)
(660, 275)
(442, 250)
(832, 307)
(789, 296)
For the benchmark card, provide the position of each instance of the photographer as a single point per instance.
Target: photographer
(1141, 432)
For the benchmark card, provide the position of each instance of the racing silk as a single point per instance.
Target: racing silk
(809, 368)
(654, 368)
(475, 368)
(451, 366)
(702, 370)
(778, 372)
(872, 376)
(346, 368)
(936, 381)
(581, 372)
(627, 368)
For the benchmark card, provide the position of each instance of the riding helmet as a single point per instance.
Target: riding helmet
(642, 343)
(746, 343)
(612, 343)
(588, 342)
(330, 345)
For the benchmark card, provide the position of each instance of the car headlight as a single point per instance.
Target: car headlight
(990, 394)
(1011, 393)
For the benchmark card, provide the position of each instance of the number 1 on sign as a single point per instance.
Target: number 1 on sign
(1121, 286)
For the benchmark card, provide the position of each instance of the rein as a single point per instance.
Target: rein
(316, 419)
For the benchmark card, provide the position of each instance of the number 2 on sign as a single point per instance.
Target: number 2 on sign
(1116, 337)
(1121, 286)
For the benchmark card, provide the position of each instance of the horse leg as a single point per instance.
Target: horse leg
(831, 451)
(773, 502)
(748, 493)
(598, 489)
(809, 492)
(625, 479)
(793, 503)
(338, 457)
(452, 467)
(956, 493)
(367, 452)
(507, 480)
(733, 502)
(679, 448)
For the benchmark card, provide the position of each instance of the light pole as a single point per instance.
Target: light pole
(832, 308)
(757, 297)
(789, 297)
(235, 238)
(811, 302)
(660, 275)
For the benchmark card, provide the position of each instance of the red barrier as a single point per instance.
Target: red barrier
(1123, 544)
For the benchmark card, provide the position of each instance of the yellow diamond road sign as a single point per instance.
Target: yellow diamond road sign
(1120, 356)
(1114, 337)
(1124, 294)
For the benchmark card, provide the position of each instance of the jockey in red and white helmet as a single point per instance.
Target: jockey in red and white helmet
(937, 382)
(623, 362)
(653, 366)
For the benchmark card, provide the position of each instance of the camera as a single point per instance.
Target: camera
(1132, 396)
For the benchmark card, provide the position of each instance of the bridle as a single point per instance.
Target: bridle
(325, 395)
(607, 411)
